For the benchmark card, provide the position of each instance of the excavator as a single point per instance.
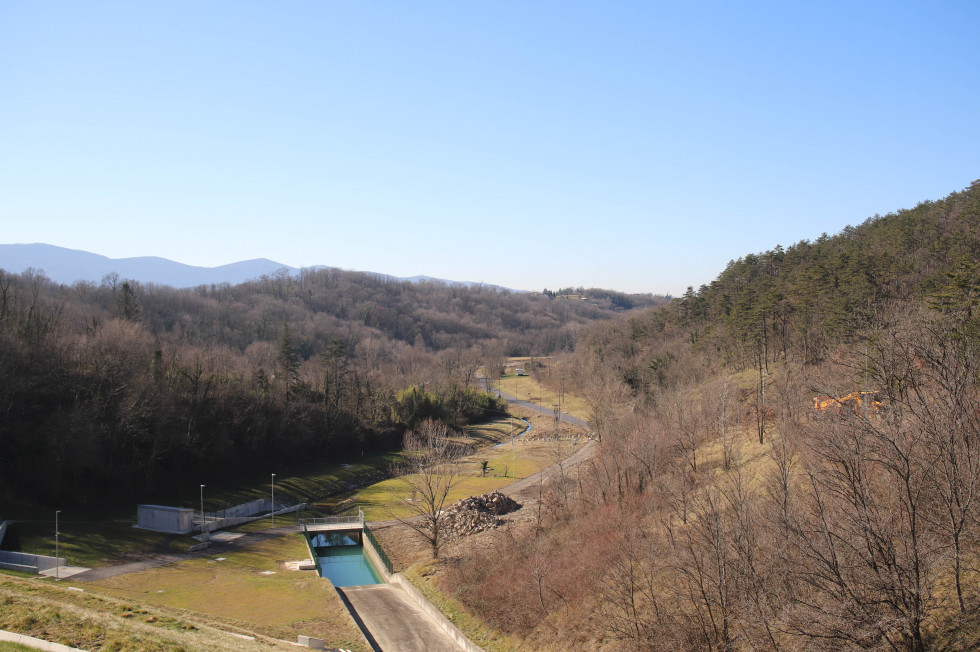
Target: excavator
(861, 402)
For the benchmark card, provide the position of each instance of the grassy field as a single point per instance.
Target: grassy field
(88, 620)
(250, 586)
(248, 592)
(528, 388)
(315, 485)
(385, 500)
(91, 543)
(6, 646)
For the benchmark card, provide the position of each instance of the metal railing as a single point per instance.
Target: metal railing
(378, 549)
(334, 520)
(345, 520)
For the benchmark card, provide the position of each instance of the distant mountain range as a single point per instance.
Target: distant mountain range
(69, 265)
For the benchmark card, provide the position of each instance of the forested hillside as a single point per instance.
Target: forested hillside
(815, 295)
(723, 510)
(120, 387)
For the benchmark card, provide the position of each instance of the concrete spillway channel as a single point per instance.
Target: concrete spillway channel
(392, 614)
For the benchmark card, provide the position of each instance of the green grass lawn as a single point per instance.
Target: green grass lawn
(527, 388)
(380, 501)
(386, 500)
(312, 485)
(91, 543)
(251, 586)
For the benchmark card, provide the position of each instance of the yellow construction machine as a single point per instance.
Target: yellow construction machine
(862, 403)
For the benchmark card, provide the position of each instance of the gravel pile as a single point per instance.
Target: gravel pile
(476, 514)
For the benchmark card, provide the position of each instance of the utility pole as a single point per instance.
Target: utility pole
(513, 453)
(272, 510)
(202, 509)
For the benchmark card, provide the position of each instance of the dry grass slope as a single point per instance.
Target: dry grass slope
(88, 621)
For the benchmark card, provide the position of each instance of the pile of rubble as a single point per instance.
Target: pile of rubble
(476, 514)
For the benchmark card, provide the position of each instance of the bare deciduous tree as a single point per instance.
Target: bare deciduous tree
(494, 362)
(632, 605)
(870, 559)
(433, 469)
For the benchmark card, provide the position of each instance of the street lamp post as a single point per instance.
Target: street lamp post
(273, 510)
(202, 509)
(56, 564)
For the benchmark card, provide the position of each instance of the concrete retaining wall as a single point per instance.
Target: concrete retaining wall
(230, 521)
(437, 615)
(375, 558)
(260, 506)
(28, 563)
(183, 520)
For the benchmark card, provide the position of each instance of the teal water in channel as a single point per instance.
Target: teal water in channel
(342, 560)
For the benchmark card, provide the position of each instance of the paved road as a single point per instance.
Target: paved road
(567, 418)
(394, 621)
(522, 485)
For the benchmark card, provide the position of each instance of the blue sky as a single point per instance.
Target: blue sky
(635, 146)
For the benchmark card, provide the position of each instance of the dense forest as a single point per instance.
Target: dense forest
(123, 387)
(724, 511)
